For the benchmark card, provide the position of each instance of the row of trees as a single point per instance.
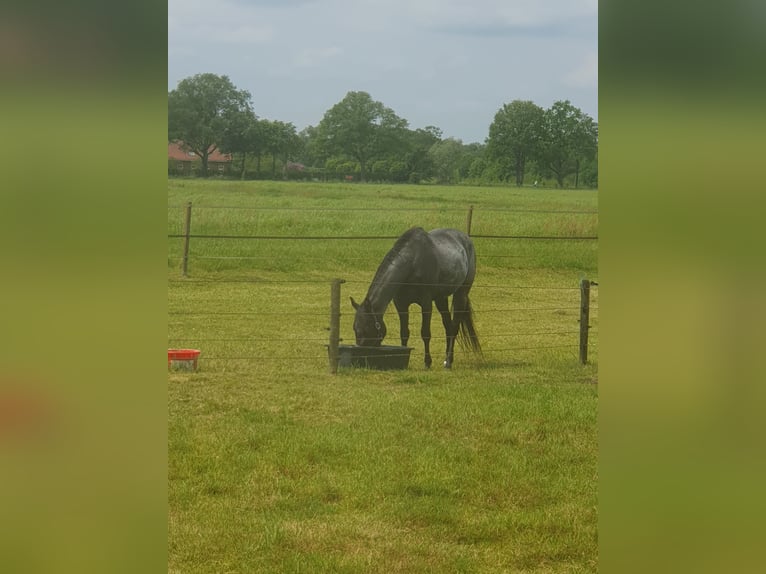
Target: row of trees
(361, 137)
(207, 112)
(560, 140)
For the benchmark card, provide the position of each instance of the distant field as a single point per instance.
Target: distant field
(277, 466)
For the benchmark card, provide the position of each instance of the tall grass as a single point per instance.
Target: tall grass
(277, 466)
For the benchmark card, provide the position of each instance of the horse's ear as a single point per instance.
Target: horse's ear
(354, 303)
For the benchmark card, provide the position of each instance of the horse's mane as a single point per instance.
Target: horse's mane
(393, 253)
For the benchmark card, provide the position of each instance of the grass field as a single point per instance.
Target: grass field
(277, 466)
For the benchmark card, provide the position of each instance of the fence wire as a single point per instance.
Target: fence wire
(322, 357)
(324, 313)
(368, 237)
(236, 353)
(403, 209)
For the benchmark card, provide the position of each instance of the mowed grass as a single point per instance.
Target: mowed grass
(277, 466)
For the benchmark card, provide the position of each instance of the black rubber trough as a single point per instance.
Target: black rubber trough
(383, 358)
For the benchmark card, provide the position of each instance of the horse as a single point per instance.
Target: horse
(424, 268)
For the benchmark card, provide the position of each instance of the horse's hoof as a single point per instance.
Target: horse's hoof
(447, 365)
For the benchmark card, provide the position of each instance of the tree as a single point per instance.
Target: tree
(570, 136)
(471, 152)
(243, 135)
(515, 136)
(589, 172)
(585, 150)
(360, 128)
(312, 152)
(447, 156)
(282, 141)
(201, 109)
(418, 161)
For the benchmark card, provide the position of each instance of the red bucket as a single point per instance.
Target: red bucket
(183, 359)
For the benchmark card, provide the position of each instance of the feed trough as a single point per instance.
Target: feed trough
(383, 358)
(183, 359)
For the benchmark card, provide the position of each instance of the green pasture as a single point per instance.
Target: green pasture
(277, 466)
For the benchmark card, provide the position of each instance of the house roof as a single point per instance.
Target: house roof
(176, 152)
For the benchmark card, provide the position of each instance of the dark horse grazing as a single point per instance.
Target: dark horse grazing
(422, 268)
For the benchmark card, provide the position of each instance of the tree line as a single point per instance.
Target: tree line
(362, 139)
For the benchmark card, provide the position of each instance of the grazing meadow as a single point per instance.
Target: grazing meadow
(276, 465)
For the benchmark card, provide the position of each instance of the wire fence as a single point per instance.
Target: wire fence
(402, 209)
(561, 330)
(248, 234)
(371, 237)
(229, 328)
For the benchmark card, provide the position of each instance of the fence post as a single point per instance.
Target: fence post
(187, 231)
(584, 319)
(332, 348)
(468, 219)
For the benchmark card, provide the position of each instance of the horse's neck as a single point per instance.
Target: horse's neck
(386, 284)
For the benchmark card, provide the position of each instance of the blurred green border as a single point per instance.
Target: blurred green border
(681, 282)
(82, 221)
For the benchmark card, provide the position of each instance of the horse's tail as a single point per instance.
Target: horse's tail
(463, 313)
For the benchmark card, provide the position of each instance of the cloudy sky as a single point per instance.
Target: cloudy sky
(446, 63)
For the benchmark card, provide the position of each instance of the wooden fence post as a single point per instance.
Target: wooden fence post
(187, 231)
(584, 319)
(468, 219)
(332, 348)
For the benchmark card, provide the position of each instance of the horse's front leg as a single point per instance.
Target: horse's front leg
(425, 332)
(404, 321)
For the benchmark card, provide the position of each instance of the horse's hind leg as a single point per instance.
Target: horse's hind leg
(449, 329)
(425, 331)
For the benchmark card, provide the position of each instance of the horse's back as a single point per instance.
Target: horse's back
(451, 238)
(453, 244)
(455, 255)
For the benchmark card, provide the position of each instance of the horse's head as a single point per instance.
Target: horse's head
(369, 328)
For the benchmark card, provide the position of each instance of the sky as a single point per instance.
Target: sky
(445, 63)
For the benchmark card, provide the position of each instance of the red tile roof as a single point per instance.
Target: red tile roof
(176, 152)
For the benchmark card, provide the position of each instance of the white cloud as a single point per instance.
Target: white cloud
(585, 74)
(194, 23)
(459, 15)
(311, 57)
(423, 58)
(244, 34)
